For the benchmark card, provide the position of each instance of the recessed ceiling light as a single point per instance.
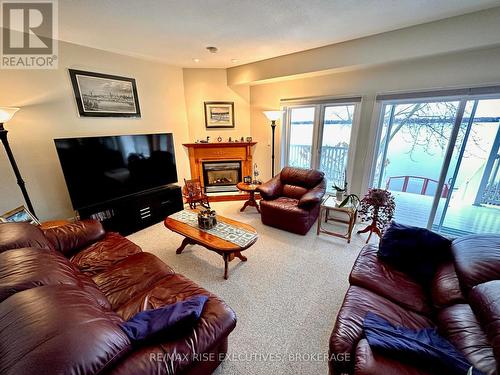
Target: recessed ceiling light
(234, 60)
(212, 49)
(196, 60)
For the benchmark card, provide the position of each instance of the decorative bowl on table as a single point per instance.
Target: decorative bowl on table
(207, 219)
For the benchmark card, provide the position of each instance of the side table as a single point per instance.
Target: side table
(249, 188)
(331, 204)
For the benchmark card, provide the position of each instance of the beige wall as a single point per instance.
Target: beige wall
(480, 67)
(470, 31)
(48, 111)
(201, 85)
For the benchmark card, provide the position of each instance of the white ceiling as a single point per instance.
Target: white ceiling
(176, 31)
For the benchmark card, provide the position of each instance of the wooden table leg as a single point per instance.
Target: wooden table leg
(225, 256)
(251, 202)
(238, 255)
(186, 241)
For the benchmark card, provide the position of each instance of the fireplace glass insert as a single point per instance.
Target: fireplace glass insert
(221, 176)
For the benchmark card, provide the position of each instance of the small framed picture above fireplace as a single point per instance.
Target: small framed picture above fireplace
(219, 115)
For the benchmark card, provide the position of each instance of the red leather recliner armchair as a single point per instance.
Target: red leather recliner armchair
(291, 200)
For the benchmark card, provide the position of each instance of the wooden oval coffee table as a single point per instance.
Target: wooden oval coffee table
(249, 188)
(195, 236)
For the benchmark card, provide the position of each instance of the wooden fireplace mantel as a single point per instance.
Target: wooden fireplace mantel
(200, 152)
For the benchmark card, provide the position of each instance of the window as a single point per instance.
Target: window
(440, 159)
(318, 136)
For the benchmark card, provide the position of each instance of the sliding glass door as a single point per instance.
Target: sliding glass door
(439, 158)
(318, 137)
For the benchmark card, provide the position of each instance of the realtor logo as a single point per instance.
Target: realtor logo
(29, 34)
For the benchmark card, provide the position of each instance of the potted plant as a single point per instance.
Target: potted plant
(351, 200)
(378, 207)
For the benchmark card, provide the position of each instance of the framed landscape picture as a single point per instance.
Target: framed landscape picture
(219, 115)
(104, 95)
(19, 215)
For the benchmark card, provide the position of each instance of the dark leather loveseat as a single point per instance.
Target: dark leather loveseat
(64, 291)
(291, 200)
(463, 303)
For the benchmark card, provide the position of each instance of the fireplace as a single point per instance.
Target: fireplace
(221, 176)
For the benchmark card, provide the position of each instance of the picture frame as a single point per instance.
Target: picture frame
(219, 115)
(104, 95)
(247, 179)
(19, 215)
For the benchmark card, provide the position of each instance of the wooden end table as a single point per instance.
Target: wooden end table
(249, 188)
(331, 204)
(195, 236)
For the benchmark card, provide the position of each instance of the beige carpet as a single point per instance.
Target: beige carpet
(286, 296)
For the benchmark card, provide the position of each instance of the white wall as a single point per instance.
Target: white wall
(48, 111)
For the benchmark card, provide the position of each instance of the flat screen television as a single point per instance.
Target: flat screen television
(100, 169)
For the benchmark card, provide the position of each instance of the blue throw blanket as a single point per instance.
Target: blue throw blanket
(425, 346)
(149, 323)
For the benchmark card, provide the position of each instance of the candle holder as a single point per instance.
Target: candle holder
(207, 219)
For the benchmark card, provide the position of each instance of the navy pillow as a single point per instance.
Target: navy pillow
(424, 348)
(149, 323)
(415, 251)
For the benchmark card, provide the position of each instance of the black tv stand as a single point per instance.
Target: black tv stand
(135, 212)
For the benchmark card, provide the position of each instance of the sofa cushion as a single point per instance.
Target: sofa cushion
(284, 213)
(307, 178)
(101, 255)
(293, 191)
(370, 363)
(348, 328)
(58, 330)
(459, 325)
(485, 302)
(18, 235)
(27, 268)
(216, 322)
(445, 287)
(72, 237)
(477, 259)
(416, 251)
(381, 278)
(131, 277)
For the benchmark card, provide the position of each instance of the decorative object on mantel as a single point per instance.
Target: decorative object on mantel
(6, 114)
(242, 139)
(247, 180)
(378, 206)
(19, 215)
(207, 219)
(104, 95)
(219, 115)
(219, 139)
(272, 116)
(229, 139)
(249, 139)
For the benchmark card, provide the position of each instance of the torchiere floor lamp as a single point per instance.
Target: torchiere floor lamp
(273, 116)
(6, 114)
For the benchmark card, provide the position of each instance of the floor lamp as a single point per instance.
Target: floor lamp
(272, 116)
(6, 114)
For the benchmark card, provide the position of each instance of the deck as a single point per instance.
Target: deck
(461, 219)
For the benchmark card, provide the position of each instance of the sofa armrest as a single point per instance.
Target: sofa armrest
(72, 237)
(313, 196)
(271, 189)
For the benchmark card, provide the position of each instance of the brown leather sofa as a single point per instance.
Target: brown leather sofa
(291, 200)
(463, 303)
(65, 290)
